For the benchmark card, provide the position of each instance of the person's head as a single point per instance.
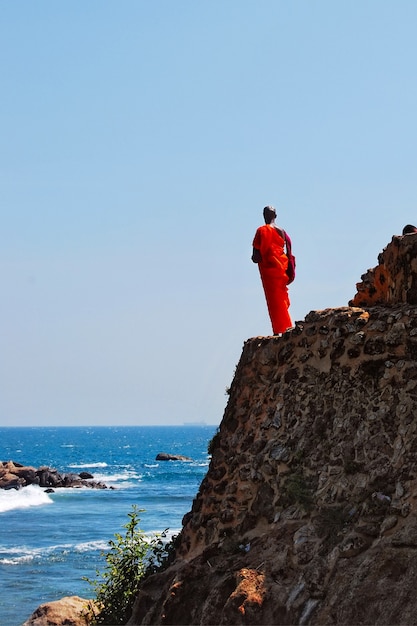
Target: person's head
(407, 230)
(269, 214)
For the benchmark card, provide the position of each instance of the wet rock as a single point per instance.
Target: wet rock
(15, 476)
(86, 476)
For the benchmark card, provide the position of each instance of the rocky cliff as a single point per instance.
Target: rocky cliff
(308, 512)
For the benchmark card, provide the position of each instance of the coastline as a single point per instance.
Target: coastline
(68, 530)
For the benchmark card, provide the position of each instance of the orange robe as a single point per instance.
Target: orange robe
(272, 269)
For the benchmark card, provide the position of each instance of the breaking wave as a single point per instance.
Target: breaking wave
(24, 498)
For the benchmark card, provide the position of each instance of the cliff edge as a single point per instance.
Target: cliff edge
(308, 512)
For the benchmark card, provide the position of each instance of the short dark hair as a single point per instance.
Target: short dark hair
(269, 214)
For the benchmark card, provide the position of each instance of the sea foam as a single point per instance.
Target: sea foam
(83, 465)
(25, 554)
(23, 498)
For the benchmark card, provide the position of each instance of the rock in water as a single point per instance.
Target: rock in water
(14, 476)
(163, 456)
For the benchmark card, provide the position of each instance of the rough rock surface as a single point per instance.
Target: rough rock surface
(394, 279)
(69, 611)
(15, 476)
(308, 512)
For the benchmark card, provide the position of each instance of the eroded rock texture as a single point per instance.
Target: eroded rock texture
(394, 279)
(308, 512)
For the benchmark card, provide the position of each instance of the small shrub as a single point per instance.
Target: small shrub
(129, 561)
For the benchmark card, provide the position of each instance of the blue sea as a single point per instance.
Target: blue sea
(49, 542)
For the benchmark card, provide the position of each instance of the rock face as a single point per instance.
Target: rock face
(69, 611)
(394, 280)
(14, 476)
(308, 512)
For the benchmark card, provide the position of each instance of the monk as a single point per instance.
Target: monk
(269, 254)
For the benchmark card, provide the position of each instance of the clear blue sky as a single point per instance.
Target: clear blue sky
(140, 141)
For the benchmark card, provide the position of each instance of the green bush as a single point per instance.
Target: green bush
(130, 559)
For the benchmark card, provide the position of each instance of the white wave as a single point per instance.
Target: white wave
(118, 477)
(18, 555)
(22, 554)
(32, 495)
(17, 560)
(150, 465)
(81, 465)
(84, 546)
(91, 546)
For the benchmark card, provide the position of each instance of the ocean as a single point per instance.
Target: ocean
(49, 542)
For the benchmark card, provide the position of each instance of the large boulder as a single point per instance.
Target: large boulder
(11, 481)
(69, 611)
(49, 477)
(86, 475)
(12, 476)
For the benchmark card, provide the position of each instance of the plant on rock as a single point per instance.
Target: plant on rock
(130, 559)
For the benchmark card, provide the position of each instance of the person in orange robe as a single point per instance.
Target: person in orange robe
(269, 254)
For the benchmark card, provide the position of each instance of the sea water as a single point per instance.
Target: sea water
(50, 541)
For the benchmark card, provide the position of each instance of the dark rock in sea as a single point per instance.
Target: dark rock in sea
(14, 476)
(11, 482)
(29, 475)
(163, 456)
(47, 477)
(85, 475)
